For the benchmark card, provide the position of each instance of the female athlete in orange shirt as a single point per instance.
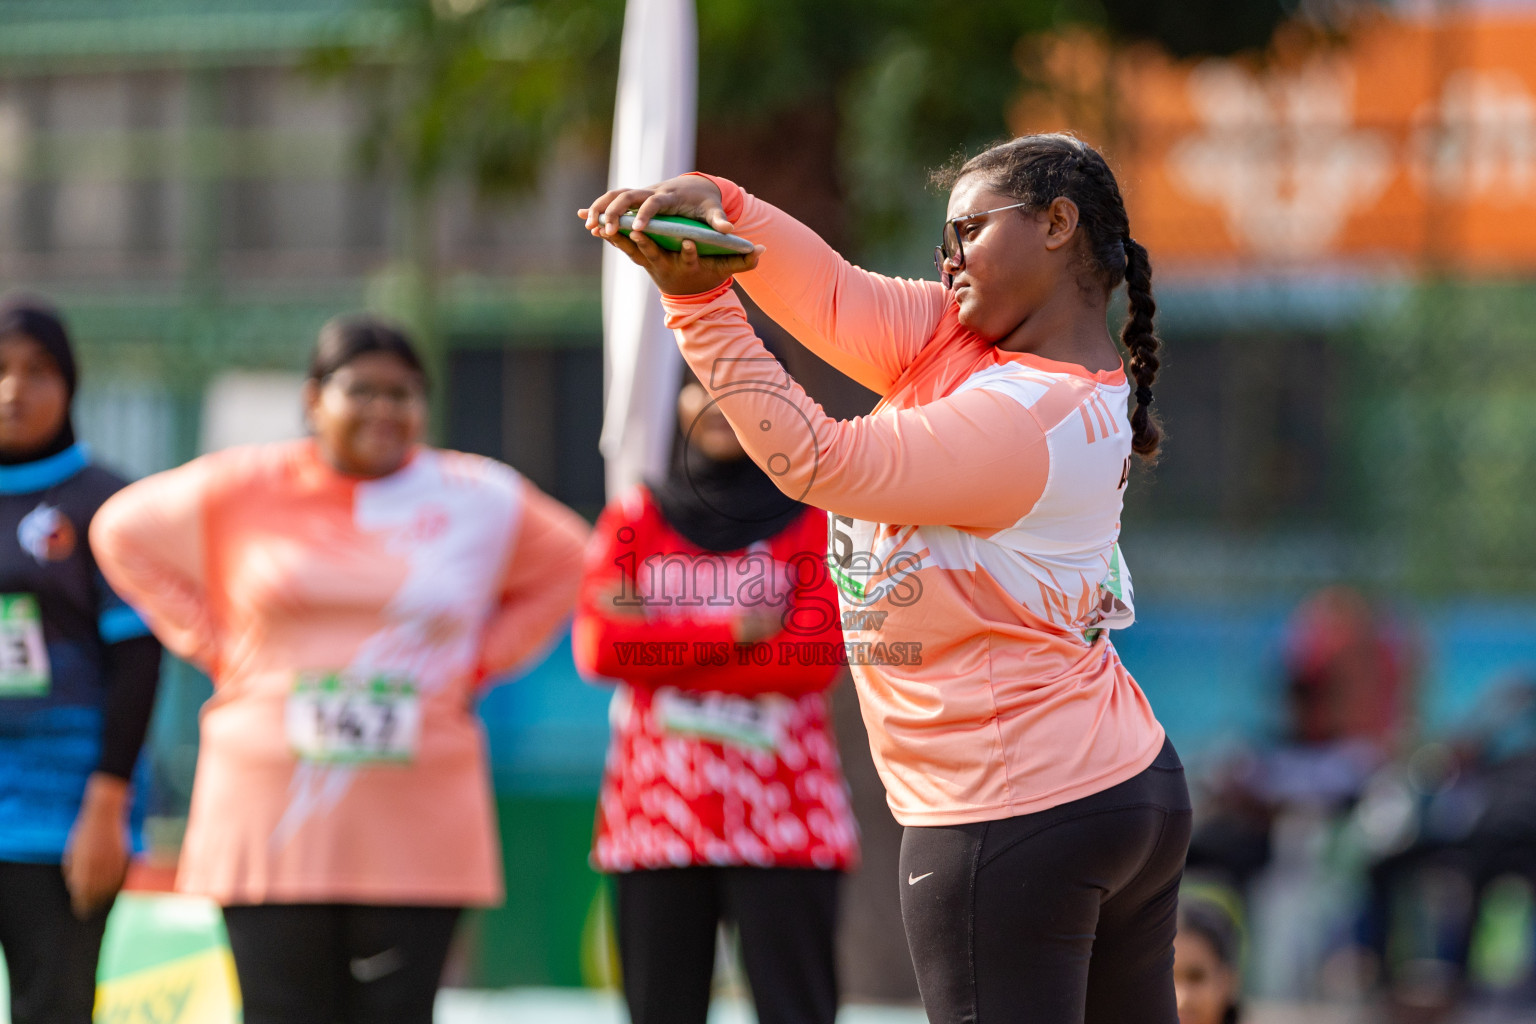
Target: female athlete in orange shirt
(974, 528)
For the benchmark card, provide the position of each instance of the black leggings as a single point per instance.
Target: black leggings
(50, 954)
(787, 920)
(1065, 916)
(337, 963)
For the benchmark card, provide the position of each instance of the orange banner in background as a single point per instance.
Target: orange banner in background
(1410, 143)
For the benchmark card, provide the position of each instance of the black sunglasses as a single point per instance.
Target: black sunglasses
(951, 249)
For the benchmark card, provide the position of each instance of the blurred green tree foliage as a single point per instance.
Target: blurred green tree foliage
(481, 87)
(1447, 439)
(838, 108)
(812, 100)
(476, 89)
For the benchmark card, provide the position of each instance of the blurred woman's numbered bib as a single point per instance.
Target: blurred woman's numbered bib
(344, 718)
(24, 670)
(723, 717)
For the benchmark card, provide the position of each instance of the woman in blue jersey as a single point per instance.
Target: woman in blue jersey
(78, 671)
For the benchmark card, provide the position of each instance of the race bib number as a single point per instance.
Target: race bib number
(24, 670)
(850, 559)
(723, 717)
(340, 718)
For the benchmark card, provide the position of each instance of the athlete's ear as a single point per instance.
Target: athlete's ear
(1061, 222)
(309, 398)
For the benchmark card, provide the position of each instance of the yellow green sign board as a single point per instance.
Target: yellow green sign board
(165, 960)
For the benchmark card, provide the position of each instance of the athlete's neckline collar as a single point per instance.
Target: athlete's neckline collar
(30, 477)
(1110, 377)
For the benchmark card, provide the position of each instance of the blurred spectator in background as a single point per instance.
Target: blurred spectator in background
(1348, 671)
(1447, 827)
(1274, 822)
(1207, 958)
(1348, 679)
(349, 594)
(78, 672)
(723, 797)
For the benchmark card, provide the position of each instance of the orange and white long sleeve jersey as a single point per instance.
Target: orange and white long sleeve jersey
(348, 625)
(975, 512)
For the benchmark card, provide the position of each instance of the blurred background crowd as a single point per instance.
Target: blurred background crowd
(1336, 582)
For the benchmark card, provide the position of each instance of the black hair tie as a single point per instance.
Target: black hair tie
(1143, 395)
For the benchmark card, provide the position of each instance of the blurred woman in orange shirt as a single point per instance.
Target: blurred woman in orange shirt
(350, 594)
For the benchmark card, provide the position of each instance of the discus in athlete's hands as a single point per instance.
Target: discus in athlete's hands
(684, 272)
(671, 232)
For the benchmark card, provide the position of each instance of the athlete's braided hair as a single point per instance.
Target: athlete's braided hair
(1036, 169)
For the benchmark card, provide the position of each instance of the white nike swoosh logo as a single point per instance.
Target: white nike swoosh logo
(372, 968)
(914, 879)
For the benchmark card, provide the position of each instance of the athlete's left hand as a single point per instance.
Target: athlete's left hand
(686, 272)
(96, 857)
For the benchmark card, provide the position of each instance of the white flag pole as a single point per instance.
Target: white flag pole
(653, 138)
